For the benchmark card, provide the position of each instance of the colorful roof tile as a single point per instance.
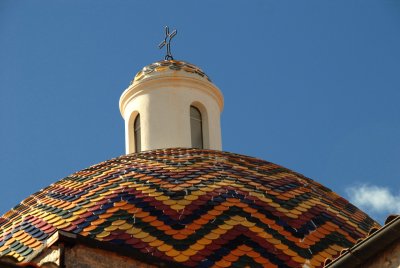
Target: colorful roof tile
(199, 208)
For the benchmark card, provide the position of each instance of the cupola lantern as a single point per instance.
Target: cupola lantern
(171, 104)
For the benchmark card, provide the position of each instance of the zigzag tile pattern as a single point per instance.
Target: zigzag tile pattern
(200, 208)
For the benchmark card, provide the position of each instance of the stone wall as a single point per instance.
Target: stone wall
(81, 256)
(49, 255)
(389, 258)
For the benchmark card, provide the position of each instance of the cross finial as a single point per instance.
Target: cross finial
(168, 36)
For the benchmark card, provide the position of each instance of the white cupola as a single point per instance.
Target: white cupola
(171, 104)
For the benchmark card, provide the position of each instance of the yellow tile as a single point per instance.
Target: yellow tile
(141, 235)
(118, 222)
(133, 231)
(103, 234)
(111, 228)
(125, 226)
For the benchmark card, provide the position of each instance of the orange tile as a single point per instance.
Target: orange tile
(156, 243)
(181, 258)
(197, 247)
(231, 257)
(164, 247)
(172, 253)
(223, 263)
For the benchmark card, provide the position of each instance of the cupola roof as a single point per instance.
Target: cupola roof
(169, 67)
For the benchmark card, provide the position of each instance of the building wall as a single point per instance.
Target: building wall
(81, 256)
(49, 255)
(389, 258)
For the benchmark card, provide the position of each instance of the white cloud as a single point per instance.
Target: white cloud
(374, 199)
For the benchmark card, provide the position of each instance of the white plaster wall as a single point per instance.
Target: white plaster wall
(164, 104)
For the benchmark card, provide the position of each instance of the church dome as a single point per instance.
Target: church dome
(193, 207)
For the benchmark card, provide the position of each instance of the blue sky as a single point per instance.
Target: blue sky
(310, 85)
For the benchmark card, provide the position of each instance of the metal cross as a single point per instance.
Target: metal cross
(168, 36)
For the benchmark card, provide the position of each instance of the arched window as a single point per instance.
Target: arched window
(196, 128)
(136, 130)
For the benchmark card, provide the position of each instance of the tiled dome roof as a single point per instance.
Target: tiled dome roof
(200, 208)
